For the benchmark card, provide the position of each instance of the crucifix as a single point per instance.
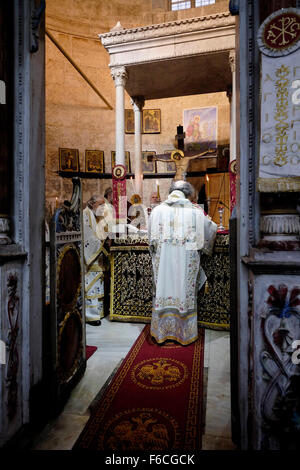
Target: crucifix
(180, 157)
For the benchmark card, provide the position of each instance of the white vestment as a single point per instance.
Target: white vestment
(94, 267)
(106, 224)
(178, 230)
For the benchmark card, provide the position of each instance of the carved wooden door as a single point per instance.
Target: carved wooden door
(67, 296)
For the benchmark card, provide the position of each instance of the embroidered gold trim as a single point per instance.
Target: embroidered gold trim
(95, 269)
(94, 256)
(132, 318)
(129, 248)
(93, 282)
(192, 413)
(112, 283)
(214, 326)
(175, 315)
(174, 338)
(95, 296)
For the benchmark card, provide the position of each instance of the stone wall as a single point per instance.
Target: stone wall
(77, 118)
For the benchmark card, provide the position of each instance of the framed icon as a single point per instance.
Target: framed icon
(94, 161)
(129, 121)
(148, 167)
(127, 160)
(151, 121)
(68, 160)
(170, 165)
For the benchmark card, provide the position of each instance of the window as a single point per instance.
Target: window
(183, 5)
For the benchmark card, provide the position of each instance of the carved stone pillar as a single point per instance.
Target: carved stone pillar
(232, 100)
(138, 104)
(5, 119)
(119, 75)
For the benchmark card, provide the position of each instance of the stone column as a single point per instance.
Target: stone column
(119, 75)
(138, 104)
(232, 100)
(6, 121)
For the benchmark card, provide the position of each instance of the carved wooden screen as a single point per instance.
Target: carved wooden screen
(67, 294)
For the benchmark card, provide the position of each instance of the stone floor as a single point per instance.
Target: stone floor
(114, 340)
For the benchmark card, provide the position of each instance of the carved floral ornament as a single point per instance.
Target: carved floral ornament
(280, 323)
(13, 338)
(119, 74)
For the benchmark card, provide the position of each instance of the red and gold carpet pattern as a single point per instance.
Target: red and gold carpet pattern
(154, 401)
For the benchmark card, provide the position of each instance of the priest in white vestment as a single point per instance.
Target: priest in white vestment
(107, 218)
(178, 233)
(94, 257)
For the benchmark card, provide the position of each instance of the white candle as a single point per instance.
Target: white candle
(131, 180)
(207, 180)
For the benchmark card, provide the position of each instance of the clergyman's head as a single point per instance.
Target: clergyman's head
(108, 194)
(186, 188)
(94, 202)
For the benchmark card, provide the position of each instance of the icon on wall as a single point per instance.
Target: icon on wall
(151, 121)
(148, 167)
(68, 160)
(94, 161)
(129, 121)
(127, 160)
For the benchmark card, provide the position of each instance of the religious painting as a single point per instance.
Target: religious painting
(151, 121)
(94, 161)
(68, 160)
(148, 167)
(170, 165)
(200, 127)
(127, 160)
(129, 121)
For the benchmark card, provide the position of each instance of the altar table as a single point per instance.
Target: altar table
(131, 289)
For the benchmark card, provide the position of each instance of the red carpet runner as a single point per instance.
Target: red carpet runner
(90, 351)
(154, 401)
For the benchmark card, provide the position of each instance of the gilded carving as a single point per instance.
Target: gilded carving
(281, 115)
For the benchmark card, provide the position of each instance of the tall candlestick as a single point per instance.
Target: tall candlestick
(157, 187)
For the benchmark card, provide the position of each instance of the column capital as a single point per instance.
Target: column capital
(232, 61)
(119, 74)
(137, 102)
